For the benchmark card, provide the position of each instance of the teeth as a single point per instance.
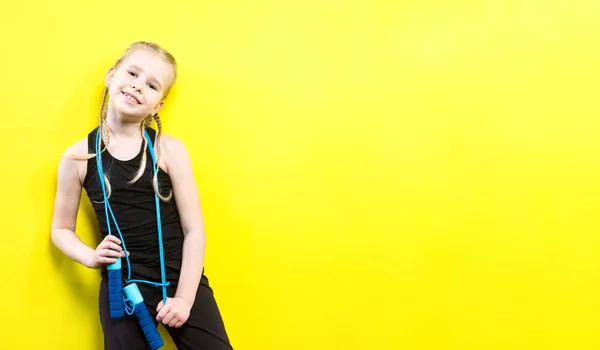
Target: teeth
(130, 98)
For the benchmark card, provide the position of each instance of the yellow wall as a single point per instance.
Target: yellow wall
(375, 175)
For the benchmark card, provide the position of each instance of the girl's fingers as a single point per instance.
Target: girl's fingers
(109, 253)
(173, 322)
(114, 246)
(107, 260)
(112, 238)
(109, 249)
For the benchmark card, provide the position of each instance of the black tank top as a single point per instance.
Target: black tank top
(134, 208)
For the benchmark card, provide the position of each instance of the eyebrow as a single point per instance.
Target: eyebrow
(153, 79)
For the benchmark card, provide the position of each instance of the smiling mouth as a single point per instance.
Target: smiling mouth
(131, 98)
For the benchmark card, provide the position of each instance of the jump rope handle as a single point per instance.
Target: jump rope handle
(115, 290)
(132, 293)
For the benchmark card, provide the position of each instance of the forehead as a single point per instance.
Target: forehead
(151, 64)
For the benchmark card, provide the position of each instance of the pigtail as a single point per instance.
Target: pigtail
(104, 133)
(158, 157)
(103, 123)
(144, 160)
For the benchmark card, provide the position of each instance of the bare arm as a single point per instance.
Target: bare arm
(66, 205)
(188, 204)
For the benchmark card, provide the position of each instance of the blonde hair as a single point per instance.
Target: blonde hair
(104, 130)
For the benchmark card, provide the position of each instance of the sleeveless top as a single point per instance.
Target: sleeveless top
(134, 208)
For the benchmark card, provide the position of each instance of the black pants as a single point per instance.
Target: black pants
(204, 329)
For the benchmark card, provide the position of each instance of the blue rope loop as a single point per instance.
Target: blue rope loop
(108, 210)
(129, 307)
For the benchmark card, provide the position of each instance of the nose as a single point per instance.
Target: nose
(135, 86)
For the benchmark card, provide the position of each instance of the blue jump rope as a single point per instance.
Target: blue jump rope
(132, 302)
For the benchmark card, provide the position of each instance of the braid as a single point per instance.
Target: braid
(145, 123)
(142, 168)
(103, 123)
(158, 157)
(159, 124)
(103, 128)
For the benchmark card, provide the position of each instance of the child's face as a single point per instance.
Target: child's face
(137, 86)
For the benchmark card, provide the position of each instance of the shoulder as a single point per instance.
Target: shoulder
(73, 162)
(172, 146)
(175, 153)
(171, 142)
(78, 148)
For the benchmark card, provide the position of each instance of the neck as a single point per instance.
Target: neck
(120, 126)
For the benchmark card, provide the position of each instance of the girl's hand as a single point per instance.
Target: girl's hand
(106, 252)
(175, 313)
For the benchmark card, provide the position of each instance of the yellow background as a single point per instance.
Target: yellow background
(374, 174)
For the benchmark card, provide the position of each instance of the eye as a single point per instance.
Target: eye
(152, 86)
(132, 73)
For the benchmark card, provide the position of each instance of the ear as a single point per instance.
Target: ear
(109, 75)
(158, 107)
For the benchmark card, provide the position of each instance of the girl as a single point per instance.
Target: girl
(144, 180)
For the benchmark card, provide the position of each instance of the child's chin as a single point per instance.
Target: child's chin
(130, 115)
